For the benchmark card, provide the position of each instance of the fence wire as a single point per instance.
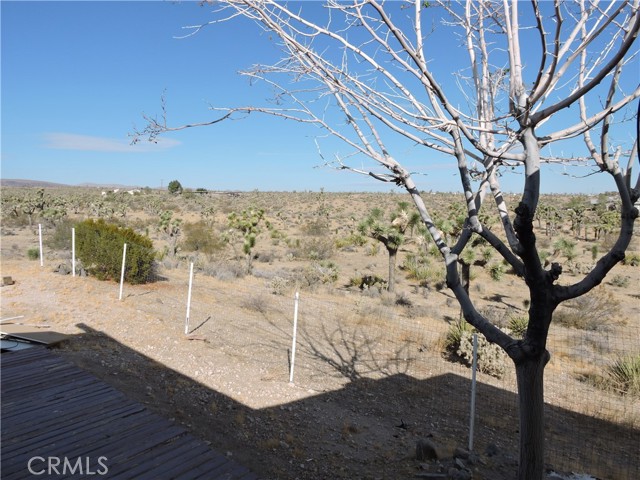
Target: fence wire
(349, 336)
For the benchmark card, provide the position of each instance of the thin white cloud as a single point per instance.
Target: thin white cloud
(87, 143)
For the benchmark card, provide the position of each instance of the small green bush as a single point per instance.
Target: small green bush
(99, 247)
(33, 253)
(565, 247)
(352, 240)
(632, 259)
(420, 268)
(497, 271)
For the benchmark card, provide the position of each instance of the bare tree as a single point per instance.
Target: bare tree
(536, 74)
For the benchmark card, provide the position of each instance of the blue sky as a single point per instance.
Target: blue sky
(77, 77)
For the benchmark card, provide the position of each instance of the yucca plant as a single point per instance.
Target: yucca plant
(623, 376)
(518, 326)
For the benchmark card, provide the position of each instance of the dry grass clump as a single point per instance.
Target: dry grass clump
(256, 303)
(598, 310)
(320, 248)
(225, 270)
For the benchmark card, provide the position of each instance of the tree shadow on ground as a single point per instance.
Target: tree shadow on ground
(367, 429)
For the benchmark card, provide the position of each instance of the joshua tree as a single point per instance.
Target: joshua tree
(172, 228)
(391, 234)
(32, 203)
(247, 222)
(526, 76)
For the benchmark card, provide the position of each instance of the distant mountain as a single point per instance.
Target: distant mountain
(10, 182)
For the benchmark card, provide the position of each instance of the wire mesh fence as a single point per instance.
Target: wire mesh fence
(592, 409)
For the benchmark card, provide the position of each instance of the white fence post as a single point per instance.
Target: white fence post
(295, 332)
(124, 258)
(40, 243)
(73, 252)
(186, 325)
(473, 390)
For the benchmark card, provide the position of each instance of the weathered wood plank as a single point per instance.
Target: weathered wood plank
(51, 408)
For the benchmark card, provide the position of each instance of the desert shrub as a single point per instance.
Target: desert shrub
(496, 314)
(389, 299)
(256, 303)
(459, 347)
(596, 310)
(620, 281)
(544, 254)
(366, 282)
(565, 247)
(316, 228)
(200, 238)
(403, 300)
(278, 285)
(416, 266)
(454, 335)
(15, 221)
(61, 238)
(276, 236)
(225, 270)
(491, 359)
(623, 376)
(373, 250)
(518, 326)
(420, 268)
(321, 248)
(99, 247)
(632, 259)
(318, 273)
(434, 251)
(266, 257)
(33, 253)
(497, 271)
(353, 240)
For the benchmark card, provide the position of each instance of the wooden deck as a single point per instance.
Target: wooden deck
(53, 410)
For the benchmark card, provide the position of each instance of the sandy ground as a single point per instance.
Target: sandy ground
(370, 378)
(363, 394)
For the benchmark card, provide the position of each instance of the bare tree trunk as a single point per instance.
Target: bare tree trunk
(392, 270)
(465, 273)
(530, 375)
(249, 262)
